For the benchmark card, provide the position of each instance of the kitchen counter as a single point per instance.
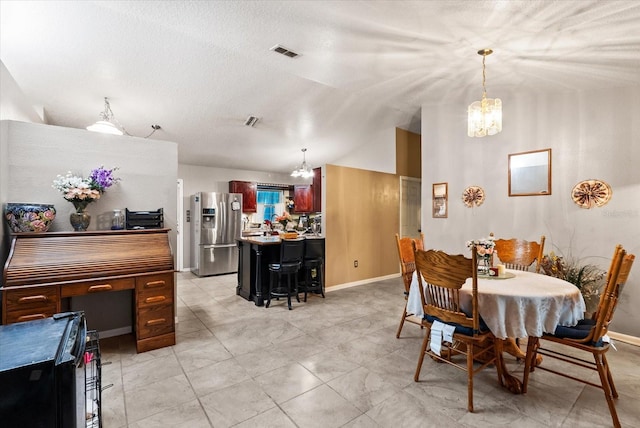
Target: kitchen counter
(256, 253)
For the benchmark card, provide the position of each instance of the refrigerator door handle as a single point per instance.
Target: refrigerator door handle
(220, 246)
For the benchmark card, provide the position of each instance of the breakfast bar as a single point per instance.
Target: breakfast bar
(256, 252)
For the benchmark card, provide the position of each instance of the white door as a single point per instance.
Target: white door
(410, 206)
(179, 237)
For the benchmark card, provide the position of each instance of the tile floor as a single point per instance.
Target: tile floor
(331, 362)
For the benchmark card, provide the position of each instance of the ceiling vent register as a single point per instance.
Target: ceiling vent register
(284, 51)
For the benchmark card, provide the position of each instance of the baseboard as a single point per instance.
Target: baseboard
(631, 340)
(362, 282)
(115, 332)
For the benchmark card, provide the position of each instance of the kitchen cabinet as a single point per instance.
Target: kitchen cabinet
(317, 190)
(249, 192)
(303, 198)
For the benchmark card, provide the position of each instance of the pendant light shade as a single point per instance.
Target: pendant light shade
(484, 116)
(304, 170)
(105, 125)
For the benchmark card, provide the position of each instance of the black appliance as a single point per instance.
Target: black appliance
(42, 372)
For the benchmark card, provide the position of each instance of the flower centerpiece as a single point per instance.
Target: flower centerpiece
(284, 219)
(484, 250)
(82, 191)
(587, 277)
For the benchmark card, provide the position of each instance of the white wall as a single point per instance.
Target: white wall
(13, 103)
(592, 135)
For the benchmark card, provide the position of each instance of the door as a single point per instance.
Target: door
(410, 206)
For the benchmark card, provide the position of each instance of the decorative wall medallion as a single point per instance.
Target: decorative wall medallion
(473, 196)
(591, 193)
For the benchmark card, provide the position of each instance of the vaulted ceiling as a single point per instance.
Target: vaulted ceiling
(200, 68)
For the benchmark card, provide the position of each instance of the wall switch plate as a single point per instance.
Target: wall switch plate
(355, 263)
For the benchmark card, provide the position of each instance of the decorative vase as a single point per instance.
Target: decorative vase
(485, 265)
(29, 217)
(80, 221)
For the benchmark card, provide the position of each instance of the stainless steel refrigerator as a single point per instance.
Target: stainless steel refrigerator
(216, 223)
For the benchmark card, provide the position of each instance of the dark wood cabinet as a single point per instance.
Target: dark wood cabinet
(249, 192)
(303, 198)
(317, 190)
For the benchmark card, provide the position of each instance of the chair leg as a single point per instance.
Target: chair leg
(529, 366)
(423, 350)
(606, 386)
(611, 384)
(470, 377)
(270, 288)
(289, 291)
(404, 315)
(295, 283)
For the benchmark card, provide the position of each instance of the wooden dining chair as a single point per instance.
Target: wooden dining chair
(520, 254)
(588, 336)
(407, 265)
(440, 278)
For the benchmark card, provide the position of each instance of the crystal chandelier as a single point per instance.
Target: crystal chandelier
(485, 116)
(104, 124)
(305, 170)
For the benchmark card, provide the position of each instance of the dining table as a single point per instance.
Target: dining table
(514, 305)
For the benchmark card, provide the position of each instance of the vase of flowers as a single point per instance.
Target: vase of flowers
(83, 191)
(284, 219)
(484, 251)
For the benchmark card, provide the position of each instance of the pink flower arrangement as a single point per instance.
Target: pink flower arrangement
(82, 191)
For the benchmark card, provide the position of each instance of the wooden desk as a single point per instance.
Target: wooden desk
(44, 269)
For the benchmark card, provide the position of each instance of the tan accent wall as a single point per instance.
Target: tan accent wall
(361, 218)
(408, 154)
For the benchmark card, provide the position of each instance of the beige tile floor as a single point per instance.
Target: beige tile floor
(331, 362)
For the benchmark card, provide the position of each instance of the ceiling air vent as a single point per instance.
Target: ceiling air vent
(284, 51)
(251, 121)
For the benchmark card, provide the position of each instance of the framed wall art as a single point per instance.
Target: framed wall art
(440, 206)
(530, 173)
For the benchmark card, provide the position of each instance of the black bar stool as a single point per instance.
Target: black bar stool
(291, 256)
(313, 266)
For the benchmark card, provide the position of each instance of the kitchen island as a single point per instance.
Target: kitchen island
(256, 252)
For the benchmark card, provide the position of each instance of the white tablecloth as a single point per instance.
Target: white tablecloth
(528, 305)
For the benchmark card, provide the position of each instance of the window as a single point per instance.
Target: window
(270, 204)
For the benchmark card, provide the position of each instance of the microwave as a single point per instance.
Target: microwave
(42, 372)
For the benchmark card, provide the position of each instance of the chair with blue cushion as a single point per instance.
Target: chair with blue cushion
(291, 256)
(407, 267)
(440, 278)
(588, 336)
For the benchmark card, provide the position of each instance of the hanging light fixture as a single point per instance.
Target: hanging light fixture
(485, 116)
(104, 124)
(305, 170)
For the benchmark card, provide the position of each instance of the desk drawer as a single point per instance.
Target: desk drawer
(154, 290)
(154, 321)
(91, 287)
(30, 303)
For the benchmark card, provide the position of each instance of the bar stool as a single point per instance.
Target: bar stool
(291, 256)
(313, 267)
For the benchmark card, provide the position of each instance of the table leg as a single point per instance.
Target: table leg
(512, 348)
(258, 299)
(511, 382)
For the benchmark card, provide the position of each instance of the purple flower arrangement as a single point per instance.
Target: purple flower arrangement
(82, 191)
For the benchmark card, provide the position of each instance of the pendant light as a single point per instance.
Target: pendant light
(305, 170)
(485, 116)
(105, 124)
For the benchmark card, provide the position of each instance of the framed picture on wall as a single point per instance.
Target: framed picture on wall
(440, 206)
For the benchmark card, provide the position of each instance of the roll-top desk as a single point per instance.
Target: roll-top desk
(44, 269)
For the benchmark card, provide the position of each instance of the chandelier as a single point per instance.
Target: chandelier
(485, 116)
(304, 170)
(105, 123)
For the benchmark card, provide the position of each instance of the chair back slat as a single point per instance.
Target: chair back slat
(520, 254)
(444, 275)
(611, 294)
(405, 254)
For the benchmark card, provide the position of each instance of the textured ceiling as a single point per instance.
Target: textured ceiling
(200, 68)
